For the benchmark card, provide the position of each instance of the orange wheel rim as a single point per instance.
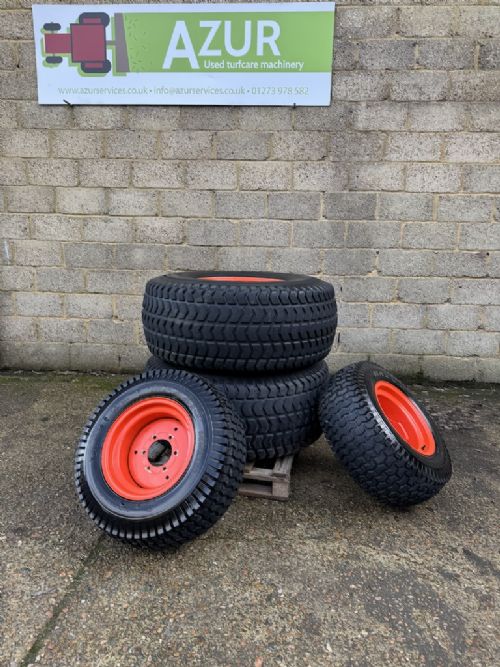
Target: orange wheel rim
(148, 448)
(405, 417)
(242, 279)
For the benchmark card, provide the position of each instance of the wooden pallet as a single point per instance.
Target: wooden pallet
(267, 481)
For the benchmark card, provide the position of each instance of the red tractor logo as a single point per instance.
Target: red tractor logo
(85, 43)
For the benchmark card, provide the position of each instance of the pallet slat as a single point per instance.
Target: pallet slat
(272, 483)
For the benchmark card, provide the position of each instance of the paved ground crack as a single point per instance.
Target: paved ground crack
(34, 649)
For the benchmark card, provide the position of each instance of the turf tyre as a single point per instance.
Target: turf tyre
(204, 492)
(271, 322)
(279, 413)
(368, 446)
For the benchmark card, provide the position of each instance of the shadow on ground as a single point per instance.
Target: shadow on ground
(327, 578)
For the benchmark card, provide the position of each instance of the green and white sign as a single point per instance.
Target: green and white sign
(242, 54)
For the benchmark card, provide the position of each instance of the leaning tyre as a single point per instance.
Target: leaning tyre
(280, 413)
(160, 460)
(384, 438)
(254, 322)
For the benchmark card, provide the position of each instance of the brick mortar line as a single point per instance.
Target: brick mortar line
(463, 105)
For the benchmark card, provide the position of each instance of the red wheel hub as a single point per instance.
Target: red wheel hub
(148, 448)
(405, 417)
(242, 279)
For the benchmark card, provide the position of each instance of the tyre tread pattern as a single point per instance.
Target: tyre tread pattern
(223, 327)
(363, 443)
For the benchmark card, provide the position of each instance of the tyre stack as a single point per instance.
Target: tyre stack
(258, 338)
(237, 373)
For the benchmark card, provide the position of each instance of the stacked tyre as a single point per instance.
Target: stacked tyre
(258, 338)
(236, 373)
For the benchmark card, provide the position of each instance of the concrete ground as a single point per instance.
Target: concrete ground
(328, 578)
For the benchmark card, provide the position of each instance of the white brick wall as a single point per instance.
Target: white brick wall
(391, 193)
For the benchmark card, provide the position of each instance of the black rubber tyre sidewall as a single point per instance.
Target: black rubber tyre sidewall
(197, 276)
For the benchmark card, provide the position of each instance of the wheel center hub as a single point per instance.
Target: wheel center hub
(154, 457)
(159, 452)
